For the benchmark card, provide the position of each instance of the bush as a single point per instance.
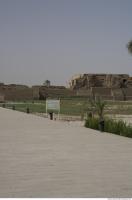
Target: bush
(92, 123)
(111, 126)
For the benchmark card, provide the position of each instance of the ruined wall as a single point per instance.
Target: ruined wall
(21, 93)
(2, 98)
(117, 94)
(55, 92)
(16, 92)
(35, 90)
(86, 81)
(108, 86)
(84, 92)
(100, 80)
(105, 93)
(129, 82)
(116, 80)
(127, 93)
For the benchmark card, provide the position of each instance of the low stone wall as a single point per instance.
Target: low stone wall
(55, 92)
(21, 93)
(2, 98)
(84, 92)
(101, 91)
(117, 94)
(17, 94)
(128, 93)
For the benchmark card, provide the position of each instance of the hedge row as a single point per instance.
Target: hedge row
(111, 126)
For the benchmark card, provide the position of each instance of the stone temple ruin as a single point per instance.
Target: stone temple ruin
(101, 80)
(107, 86)
(15, 92)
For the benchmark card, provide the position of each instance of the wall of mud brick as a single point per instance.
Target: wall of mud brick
(13, 94)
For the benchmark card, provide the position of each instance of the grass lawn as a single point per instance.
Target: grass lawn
(72, 106)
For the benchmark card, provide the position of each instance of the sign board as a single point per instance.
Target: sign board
(53, 105)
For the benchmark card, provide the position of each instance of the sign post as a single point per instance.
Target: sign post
(53, 105)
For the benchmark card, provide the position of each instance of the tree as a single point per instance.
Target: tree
(129, 47)
(99, 106)
(46, 83)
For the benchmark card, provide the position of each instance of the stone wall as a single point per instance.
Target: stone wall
(16, 92)
(129, 82)
(100, 80)
(35, 90)
(116, 80)
(55, 92)
(104, 93)
(2, 98)
(108, 86)
(21, 93)
(84, 92)
(128, 93)
(117, 94)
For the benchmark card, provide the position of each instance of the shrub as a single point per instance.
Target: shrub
(117, 127)
(98, 106)
(92, 123)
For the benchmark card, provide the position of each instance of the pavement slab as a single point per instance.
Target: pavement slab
(44, 158)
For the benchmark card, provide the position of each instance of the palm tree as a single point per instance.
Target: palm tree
(99, 106)
(46, 83)
(129, 47)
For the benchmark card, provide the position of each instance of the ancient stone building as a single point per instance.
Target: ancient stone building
(129, 82)
(100, 80)
(108, 86)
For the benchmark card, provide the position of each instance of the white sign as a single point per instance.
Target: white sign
(52, 105)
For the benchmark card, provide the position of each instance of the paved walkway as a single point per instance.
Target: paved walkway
(43, 158)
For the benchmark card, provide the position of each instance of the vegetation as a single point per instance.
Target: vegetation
(108, 125)
(117, 127)
(99, 106)
(46, 83)
(92, 123)
(33, 107)
(79, 106)
(76, 106)
(129, 46)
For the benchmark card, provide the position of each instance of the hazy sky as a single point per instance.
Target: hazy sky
(55, 39)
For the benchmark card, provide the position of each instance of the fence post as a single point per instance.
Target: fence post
(3, 105)
(13, 107)
(28, 111)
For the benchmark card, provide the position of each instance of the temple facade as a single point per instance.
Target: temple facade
(100, 80)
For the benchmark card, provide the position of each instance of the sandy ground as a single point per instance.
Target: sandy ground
(43, 158)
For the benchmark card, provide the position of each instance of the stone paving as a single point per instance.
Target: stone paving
(43, 158)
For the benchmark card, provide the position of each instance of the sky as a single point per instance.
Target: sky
(57, 39)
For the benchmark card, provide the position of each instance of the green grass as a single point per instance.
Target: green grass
(33, 107)
(68, 106)
(73, 106)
